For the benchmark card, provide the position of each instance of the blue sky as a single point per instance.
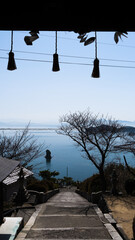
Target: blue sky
(34, 93)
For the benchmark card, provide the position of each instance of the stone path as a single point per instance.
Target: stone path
(68, 216)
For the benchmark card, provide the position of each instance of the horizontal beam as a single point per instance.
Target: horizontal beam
(66, 16)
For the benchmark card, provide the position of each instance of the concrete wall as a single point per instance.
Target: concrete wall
(41, 197)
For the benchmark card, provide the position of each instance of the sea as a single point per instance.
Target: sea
(67, 158)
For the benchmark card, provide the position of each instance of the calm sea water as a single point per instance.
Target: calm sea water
(67, 159)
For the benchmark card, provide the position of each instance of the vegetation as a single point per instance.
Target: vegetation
(47, 183)
(125, 180)
(66, 181)
(92, 184)
(48, 175)
(37, 185)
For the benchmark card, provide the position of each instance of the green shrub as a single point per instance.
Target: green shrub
(95, 184)
(84, 185)
(122, 176)
(50, 184)
(39, 186)
(92, 184)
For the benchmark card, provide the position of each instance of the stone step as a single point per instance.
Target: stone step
(69, 233)
(68, 221)
(88, 209)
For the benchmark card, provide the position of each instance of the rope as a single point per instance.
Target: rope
(95, 44)
(56, 42)
(11, 41)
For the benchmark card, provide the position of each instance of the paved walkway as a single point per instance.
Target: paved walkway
(68, 216)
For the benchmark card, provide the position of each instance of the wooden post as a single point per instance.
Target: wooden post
(1, 203)
(133, 227)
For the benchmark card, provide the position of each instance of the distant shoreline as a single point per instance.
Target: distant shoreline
(21, 128)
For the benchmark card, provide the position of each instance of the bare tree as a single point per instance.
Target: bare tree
(21, 146)
(128, 146)
(96, 136)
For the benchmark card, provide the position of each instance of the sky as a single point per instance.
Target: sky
(34, 93)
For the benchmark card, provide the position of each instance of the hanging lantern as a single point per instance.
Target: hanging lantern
(96, 72)
(55, 67)
(11, 60)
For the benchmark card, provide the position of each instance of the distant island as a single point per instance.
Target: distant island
(128, 129)
(14, 125)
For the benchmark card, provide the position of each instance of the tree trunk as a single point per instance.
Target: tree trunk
(103, 180)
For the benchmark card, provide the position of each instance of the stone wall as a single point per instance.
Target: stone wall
(96, 198)
(40, 197)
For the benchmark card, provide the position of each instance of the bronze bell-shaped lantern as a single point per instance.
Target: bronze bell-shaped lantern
(96, 72)
(55, 67)
(11, 60)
